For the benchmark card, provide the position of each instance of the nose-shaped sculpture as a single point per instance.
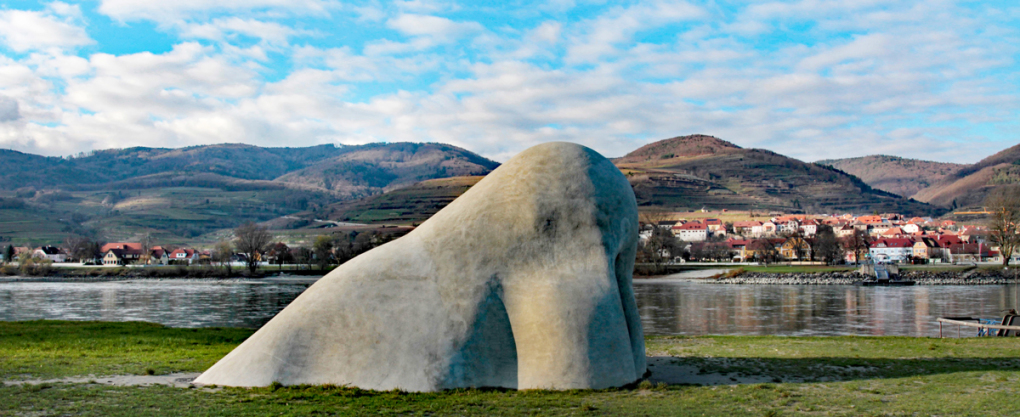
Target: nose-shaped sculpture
(522, 282)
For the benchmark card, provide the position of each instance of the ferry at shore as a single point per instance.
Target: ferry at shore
(880, 275)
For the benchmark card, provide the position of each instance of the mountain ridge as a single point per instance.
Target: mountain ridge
(897, 175)
(679, 173)
(970, 186)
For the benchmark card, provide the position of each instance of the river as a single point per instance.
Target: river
(667, 307)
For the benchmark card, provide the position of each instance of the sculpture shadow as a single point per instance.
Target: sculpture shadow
(749, 370)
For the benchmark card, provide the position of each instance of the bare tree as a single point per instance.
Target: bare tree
(660, 248)
(282, 253)
(1005, 221)
(343, 247)
(222, 253)
(798, 244)
(251, 240)
(84, 245)
(146, 244)
(303, 256)
(764, 250)
(858, 243)
(323, 249)
(720, 251)
(827, 247)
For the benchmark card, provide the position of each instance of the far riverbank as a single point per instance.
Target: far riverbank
(851, 278)
(11, 273)
(784, 274)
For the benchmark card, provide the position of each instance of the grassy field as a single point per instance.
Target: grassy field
(28, 227)
(812, 376)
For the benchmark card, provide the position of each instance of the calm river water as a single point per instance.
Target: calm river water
(667, 308)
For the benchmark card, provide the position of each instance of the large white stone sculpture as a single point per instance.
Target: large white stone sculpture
(522, 282)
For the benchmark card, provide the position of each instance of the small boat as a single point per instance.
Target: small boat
(884, 279)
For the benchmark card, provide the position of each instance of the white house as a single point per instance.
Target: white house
(809, 227)
(184, 255)
(789, 226)
(52, 253)
(891, 250)
(692, 232)
(910, 228)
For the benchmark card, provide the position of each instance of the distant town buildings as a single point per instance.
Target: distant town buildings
(886, 237)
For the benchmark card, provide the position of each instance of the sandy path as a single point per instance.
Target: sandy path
(666, 369)
(683, 276)
(180, 380)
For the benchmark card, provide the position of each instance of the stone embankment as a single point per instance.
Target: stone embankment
(853, 277)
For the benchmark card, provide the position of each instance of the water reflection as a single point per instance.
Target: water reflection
(684, 308)
(176, 304)
(667, 308)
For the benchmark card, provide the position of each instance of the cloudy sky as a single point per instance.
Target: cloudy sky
(812, 79)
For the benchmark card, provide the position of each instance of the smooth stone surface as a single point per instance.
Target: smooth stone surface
(522, 282)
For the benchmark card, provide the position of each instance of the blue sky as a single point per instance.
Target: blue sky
(811, 79)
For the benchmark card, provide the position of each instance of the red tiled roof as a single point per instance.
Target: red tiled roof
(870, 219)
(127, 247)
(893, 243)
(694, 226)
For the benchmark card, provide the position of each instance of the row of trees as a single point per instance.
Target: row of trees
(252, 241)
(662, 247)
(255, 243)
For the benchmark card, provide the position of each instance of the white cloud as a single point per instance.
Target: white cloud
(224, 29)
(901, 77)
(63, 9)
(388, 47)
(172, 11)
(26, 30)
(423, 6)
(434, 27)
(548, 32)
(602, 36)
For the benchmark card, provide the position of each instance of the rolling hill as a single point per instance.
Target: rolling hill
(180, 194)
(702, 171)
(343, 170)
(969, 186)
(189, 194)
(407, 205)
(901, 176)
(683, 173)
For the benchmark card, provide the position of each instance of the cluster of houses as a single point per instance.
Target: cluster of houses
(120, 253)
(889, 238)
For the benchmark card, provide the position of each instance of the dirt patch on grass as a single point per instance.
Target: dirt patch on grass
(180, 380)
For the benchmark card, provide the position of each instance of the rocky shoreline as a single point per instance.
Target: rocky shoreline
(854, 277)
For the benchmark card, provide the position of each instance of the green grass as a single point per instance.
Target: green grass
(842, 376)
(30, 227)
(52, 349)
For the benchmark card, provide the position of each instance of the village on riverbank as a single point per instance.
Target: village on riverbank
(832, 239)
(822, 239)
